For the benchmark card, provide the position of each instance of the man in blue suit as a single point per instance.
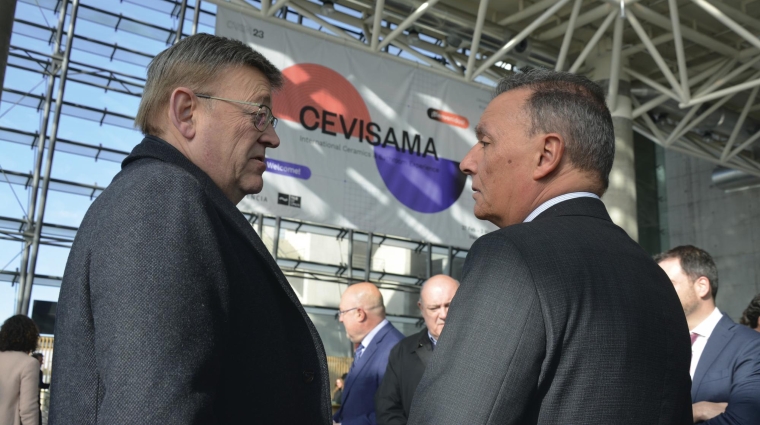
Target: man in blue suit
(363, 314)
(725, 360)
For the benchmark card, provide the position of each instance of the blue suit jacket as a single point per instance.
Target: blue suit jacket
(729, 371)
(358, 402)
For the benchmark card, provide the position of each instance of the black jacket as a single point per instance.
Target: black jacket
(406, 365)
(172, 311)
(563, 320)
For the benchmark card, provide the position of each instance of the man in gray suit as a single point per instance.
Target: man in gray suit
(171, 309)
(561, 318)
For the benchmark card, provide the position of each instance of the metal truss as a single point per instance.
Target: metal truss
(690, 67)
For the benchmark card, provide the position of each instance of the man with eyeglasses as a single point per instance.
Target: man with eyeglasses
(362, 312)
(164, 262)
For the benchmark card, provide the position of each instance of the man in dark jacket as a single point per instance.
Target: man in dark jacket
(171, 310)
(561, 317)
(408, 358)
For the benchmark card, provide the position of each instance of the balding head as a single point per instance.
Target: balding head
(361, 309)
(435, 298)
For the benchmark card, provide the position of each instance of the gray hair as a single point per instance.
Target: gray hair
(576, 108)
(194, 63)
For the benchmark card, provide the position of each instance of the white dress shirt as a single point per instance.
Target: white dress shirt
(433, 339)
(368, 339)
(703, 331)
(556, 200)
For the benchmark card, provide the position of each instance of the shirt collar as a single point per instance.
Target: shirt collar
(432, 338)
(707, 326)
(371, 335)
(556, 200)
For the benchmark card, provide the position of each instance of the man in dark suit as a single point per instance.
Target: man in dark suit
(408, 359)
(725, 360)
(362, 312)
(561, 317)
(172, 311)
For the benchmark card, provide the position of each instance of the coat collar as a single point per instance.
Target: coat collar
(718, 340)
(424, 347)
(585, 206)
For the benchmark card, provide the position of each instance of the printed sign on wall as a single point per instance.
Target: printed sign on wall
(366, 142)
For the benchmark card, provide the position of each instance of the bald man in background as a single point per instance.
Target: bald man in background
(409, 358)
(362, 312)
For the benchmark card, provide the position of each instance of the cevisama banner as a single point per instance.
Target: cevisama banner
(366, 142)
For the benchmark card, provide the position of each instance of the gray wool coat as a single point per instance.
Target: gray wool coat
(172, 311)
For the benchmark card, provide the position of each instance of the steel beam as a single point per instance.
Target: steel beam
(265, 5)
(568, 36)
(519, 37)
(377, 20)
(687, 33)
(49, 160)
(664, 38)
(330, 27)
(739, 124)
(196, 17)
(738, 29)
(594, 41)
(720, 93)
(180, 21)
(617, 46)
(720, 81)
(680, 55)
(32, 208)
(655, 54)
(651, 83)
(482, 10)
(677, 134)
(526, 13)
(275, 7)
(406, 23)
(368, 260)
(592, 15)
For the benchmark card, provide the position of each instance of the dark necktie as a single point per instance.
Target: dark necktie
(693, 337)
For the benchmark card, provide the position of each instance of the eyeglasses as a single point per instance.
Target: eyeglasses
(261, 118)
(342, 312)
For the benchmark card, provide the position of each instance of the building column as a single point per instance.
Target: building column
(620, 198)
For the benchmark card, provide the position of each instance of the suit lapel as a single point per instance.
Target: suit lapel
(361, 362)
(424, 349)
(718, 340)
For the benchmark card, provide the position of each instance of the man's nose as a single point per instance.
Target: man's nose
(444, 313)
(467, 165)
(269, 138)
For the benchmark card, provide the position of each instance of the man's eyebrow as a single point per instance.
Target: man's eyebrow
(480, 130)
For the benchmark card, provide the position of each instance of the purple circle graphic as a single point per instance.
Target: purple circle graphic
(423, 183)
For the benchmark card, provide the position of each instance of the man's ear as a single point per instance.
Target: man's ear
(702, 287)
(183, 106)
(552, 150)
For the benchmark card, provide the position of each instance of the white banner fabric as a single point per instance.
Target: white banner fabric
(366, 142)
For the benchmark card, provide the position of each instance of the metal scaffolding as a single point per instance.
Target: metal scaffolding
(692, 65)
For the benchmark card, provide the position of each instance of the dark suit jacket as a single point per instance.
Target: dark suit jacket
(358, 404)
(406, 365)
(563, 320)
(172, 311)
(729, 371)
